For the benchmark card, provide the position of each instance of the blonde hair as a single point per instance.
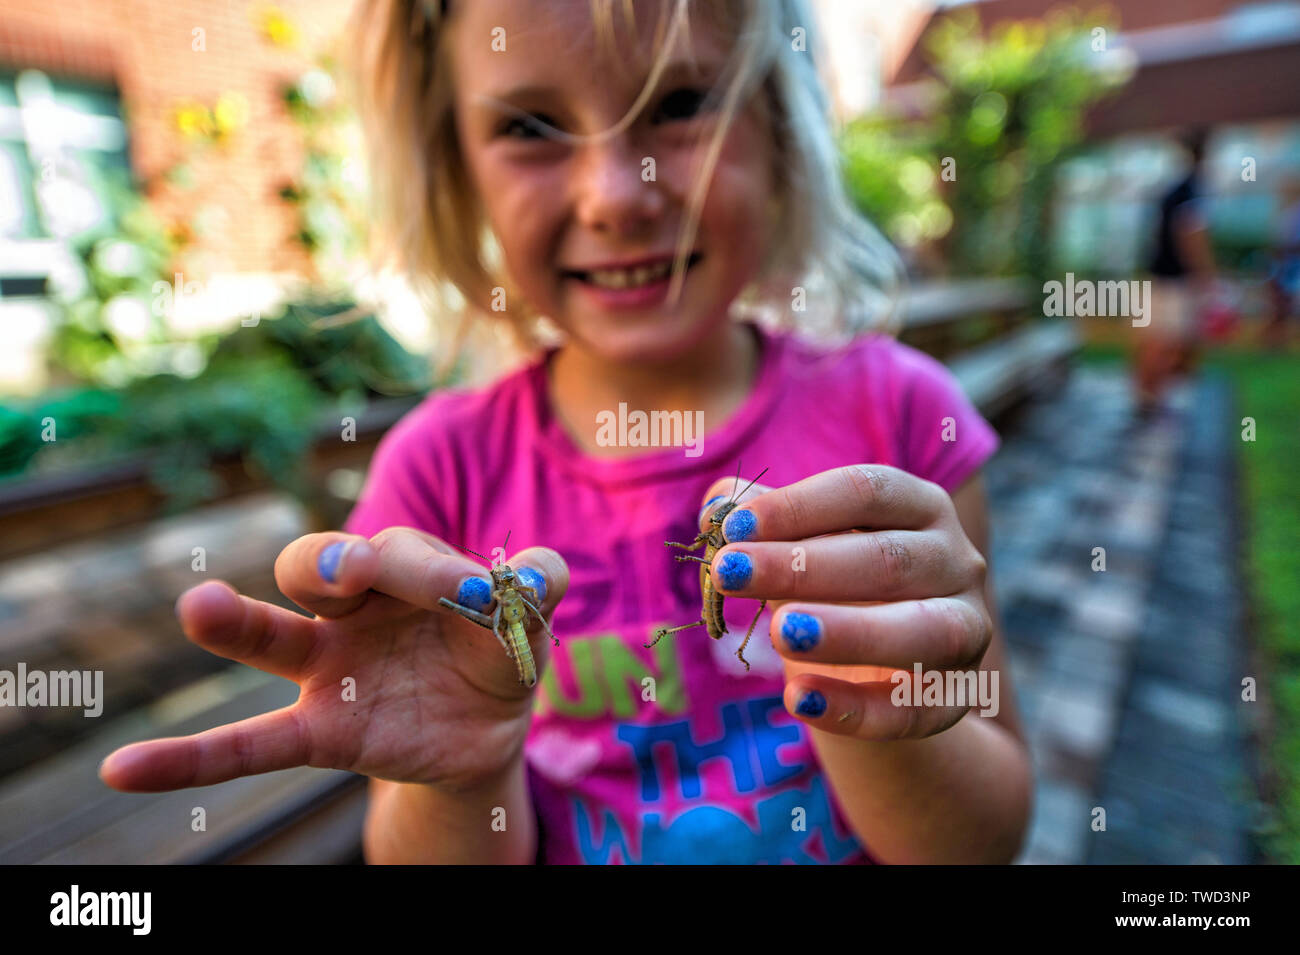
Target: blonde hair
(438, 235)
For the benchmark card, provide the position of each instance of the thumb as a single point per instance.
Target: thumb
(729, 490)
(544, 570)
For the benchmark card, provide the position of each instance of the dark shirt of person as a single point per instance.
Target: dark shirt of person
(1167, 260)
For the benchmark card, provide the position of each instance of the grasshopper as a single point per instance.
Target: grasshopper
(713, 541)
(513, 606)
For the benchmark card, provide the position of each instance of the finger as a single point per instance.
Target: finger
(938, 633)
(879, 565)
(222, 621)
(728, 489)
(859, 496)
(418, 569)
(327, 574)
(870, 711)
(259, 744)
(544, 570)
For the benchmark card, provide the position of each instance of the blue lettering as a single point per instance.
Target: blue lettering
(768, 737)
(732, 745)
(708, 835)
(591, 853)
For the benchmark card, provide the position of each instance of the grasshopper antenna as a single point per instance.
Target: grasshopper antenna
(735, 484)
(755, 481)
(474, 552)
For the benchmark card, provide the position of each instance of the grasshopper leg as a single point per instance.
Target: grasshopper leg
(741, 652)
(662, 632)
(496, 632)
(540, 618)
(687, 557)
(481, 619)
(694, 546)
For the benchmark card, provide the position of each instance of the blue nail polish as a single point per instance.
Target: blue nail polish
(740, 525)
(327, 564)
(708, 504)
(532, 578)
(812, 704)
(802, 631)
(735, 569)
(475, 593)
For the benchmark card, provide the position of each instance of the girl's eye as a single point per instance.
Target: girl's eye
(681, 104)
(519, 128)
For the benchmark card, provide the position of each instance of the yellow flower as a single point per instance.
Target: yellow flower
(230, 113)
(277, 28)
(193, 120)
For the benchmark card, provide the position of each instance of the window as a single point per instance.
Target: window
(63, 156)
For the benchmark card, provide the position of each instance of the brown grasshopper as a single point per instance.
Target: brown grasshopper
(513, 606)
(713, 540)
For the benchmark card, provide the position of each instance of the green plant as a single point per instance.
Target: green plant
(343, 350)
(979, 171)
(121, 262)
(263, 410)
(325, 194)
(1268, 390)
(261, 396)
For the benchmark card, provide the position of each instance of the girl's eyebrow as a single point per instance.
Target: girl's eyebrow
(673, 72)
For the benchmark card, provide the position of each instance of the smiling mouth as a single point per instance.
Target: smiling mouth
(630, 278)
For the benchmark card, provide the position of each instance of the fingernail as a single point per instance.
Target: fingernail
(329, 560)
(740, 525)
(735, 570)
(802, 631)
(532, 578)
(708, 504)
(475, 593)
(812, 704)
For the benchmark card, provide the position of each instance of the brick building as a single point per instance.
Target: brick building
(149, 58)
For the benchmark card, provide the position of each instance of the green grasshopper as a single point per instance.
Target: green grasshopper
(713, 540)
(513, 606)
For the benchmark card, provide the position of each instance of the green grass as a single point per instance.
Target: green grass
(1267, 387)
(1268, 390)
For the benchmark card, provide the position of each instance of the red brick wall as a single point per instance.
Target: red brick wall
(144, 48)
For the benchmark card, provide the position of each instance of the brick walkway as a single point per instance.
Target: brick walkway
(1178, 786)
(1127, 676)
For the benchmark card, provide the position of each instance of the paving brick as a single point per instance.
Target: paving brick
(1060, 824)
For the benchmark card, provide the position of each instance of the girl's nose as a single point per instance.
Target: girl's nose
(616, 187)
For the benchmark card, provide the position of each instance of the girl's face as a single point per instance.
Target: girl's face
(563, 209)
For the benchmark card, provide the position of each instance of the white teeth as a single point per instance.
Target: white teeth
(630, 278)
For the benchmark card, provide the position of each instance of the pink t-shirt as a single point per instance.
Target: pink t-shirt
(701, 762)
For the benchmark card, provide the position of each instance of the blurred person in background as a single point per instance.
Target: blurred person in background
(1183, 278)
(1284, 273)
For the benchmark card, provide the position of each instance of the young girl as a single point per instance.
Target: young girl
(552, 162)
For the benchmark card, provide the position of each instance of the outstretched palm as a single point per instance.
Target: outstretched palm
(390, 686)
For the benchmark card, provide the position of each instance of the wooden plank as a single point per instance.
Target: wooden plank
(160, 829)
(62, 800)
(60, 813)
(994, 374)
(937, 303)
(329, 834)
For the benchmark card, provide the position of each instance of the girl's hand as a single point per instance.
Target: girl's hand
(433, 699)
(872, 573)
